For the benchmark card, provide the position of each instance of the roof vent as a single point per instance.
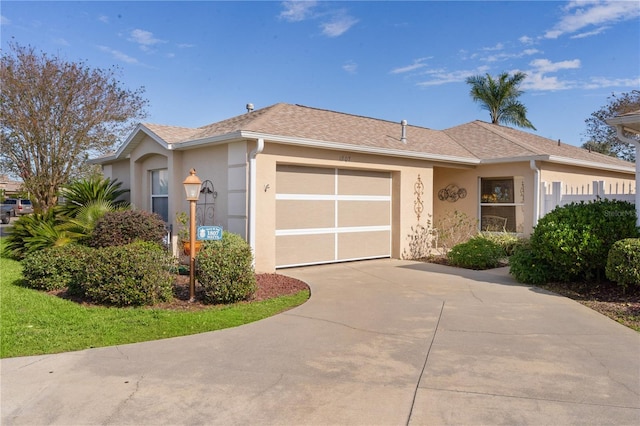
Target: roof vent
(249, 107)
(403, 138)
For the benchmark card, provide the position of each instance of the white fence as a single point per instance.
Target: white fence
(559, 194)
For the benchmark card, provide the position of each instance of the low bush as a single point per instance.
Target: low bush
(224, 270)
(623, 263)
(477, 253)
(55, 268)
(506, 240)
(126, 226)
(526, 267)
(129, 275)
(574, 240)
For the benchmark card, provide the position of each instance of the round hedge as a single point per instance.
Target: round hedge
(130, 275)
(477, 253)
(623, 263)
(55, 268)
(124, 227)
(574, 240)
(224, 270)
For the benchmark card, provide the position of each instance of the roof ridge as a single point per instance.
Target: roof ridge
(360, 116)
(496, 128)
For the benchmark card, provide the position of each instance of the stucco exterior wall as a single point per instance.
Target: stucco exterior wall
(469, 179)
(119, 170)
(578, 177)
(404, 175)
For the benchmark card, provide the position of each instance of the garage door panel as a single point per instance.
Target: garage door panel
(331, 215)
(358, 245)
(304, 180)
(362, 182)
(295, 214)
(301, 249)
(363, 213)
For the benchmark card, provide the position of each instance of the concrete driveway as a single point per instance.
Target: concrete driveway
(382, 342)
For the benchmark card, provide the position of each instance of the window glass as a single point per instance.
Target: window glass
(160, 193)
(160, 182)
(502, 204)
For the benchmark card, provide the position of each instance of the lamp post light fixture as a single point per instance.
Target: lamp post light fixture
(192, 188)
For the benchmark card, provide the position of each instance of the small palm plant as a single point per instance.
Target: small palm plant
(80, 193)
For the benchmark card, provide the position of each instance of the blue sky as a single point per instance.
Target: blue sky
(202, 62)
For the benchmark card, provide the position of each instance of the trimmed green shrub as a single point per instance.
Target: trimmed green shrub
(574, 240)
(224, 270)
(623, 263)
(130, 275)
(477, 253)
(124, 227)
(526, 267)
(506, 240)
(55, 268)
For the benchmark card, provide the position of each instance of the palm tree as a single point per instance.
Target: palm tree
(82, 192)
(500, 98)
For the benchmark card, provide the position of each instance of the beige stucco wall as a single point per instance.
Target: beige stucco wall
(469, 179)
(549, 172)
(119, 170)
(404, 174)
(579, 178)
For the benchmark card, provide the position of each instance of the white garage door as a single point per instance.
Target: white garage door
(331, 215)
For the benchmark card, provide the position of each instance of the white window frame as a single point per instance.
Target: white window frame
(154, 196)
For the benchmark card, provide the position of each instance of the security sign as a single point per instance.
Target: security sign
(209, 233)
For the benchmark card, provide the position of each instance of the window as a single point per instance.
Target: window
(502, 204)
(160, 193)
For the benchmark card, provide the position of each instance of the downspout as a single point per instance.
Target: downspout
(536, 192)
(622, 137)
(253, 179)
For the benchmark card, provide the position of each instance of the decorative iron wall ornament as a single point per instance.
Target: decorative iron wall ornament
(206, 203)
(451, 193)
(418, 190)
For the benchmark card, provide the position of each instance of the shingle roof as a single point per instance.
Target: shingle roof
(303, 122)
(476, 140)
(490, 142)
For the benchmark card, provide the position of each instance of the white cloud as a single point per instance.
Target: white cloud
(538, 78)
(498, 46)
(338, 25)
(526, 40)
(417, 64)
(61, 42)
(603, 82)
(350, 67)
(503, 56)
(541, 82)
(103, 18)
(296, 11)
(441, 76)
(590, 33)
(145, 39)
(4, 20)
(118, 55)
(545, 65)
(583, 14)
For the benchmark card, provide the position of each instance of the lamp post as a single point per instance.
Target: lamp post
(192, 188)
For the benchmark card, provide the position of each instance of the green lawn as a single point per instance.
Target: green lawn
(34, 323)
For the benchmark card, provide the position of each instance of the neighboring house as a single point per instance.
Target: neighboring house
(306, 185)
(625, 124)
(9, 186)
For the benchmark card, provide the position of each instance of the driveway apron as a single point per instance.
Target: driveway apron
(383, 342)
